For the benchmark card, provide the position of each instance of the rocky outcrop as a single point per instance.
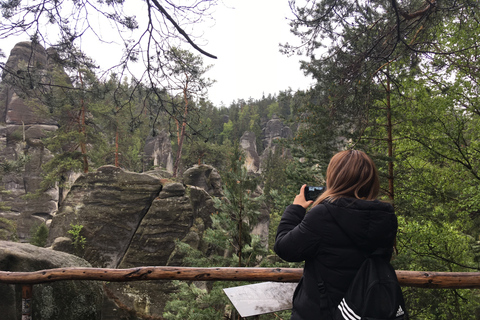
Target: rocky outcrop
(158, 152)
(110, 205)
(274, 130)
(249, 145)
(131, 219)
(21, 128)
(205, 177)
(14, 109)
(72, 300)
(177, 214)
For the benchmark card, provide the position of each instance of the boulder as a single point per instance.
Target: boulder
(72, 300)
(177, 214)
(109, 205)
(205, 177)
(171, 217)
(130, 220)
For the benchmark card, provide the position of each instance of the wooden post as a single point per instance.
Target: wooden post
(27, 302)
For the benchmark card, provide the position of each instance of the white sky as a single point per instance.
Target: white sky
(245, 37)
(246, 41)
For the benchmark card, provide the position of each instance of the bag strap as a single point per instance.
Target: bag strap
(325, 305)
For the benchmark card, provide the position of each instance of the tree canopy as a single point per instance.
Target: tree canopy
(147, 33)
(398, 80)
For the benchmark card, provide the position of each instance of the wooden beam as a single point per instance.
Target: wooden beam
(153, 273)
(420, 279)
(437, 280)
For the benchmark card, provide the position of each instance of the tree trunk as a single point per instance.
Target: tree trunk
(181, 133)
(390, 140)
(83, 130)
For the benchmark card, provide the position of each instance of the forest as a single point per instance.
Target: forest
(396, 79)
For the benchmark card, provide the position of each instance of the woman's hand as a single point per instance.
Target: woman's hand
(300, 198)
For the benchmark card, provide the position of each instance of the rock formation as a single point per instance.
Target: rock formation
(273, 131)
(21, 128)
(72, 300)
(110, 204)
(131, 219)
(158, 152)
(249, 145)
(205, 177)
(128, 219)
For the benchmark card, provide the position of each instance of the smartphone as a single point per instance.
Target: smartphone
(312, 193)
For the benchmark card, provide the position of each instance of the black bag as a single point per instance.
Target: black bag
(374, 293)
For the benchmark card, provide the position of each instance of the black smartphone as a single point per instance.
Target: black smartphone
(312, 193)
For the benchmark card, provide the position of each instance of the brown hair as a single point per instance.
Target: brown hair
(352, 174)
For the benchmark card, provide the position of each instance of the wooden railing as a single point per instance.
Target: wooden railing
(419, 279)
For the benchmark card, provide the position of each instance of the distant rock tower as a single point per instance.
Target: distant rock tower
(21, 128)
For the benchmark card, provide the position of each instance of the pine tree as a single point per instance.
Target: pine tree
(230, 244)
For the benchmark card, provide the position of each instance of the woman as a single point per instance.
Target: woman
(344, 225)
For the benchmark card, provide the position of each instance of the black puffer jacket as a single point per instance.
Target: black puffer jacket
(330, 239)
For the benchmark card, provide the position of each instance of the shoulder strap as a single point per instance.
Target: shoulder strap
(325, 305)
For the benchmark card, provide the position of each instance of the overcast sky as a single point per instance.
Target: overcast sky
(245, 38)
(246, 41)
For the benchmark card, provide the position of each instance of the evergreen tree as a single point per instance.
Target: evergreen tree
(378, 90)
(187, 76)
(230, 242)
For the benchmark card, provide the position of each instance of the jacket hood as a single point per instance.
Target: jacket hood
(377, 220)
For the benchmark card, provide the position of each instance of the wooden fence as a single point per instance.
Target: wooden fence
(420, 279)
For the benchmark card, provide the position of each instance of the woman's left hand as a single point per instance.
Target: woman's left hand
(300, 198)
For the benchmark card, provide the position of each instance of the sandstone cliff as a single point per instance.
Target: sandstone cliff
(21, 128)
(130, 219)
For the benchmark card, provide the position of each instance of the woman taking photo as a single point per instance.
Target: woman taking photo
(345, 224)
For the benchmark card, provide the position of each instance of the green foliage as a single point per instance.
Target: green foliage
(238, 212)
(8, 230)
(59, 167)
(413, 111)
(200, 152)
(39, 235)
(9, 166)
(274, 173)
(6, 167)
(78, 241)
(226, 134)
(230, 244)
(192, 302)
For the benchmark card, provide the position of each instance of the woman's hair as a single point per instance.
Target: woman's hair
(352, 174)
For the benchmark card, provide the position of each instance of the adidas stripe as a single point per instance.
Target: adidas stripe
(347, 313)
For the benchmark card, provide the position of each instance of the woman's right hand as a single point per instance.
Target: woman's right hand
(300, 198)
